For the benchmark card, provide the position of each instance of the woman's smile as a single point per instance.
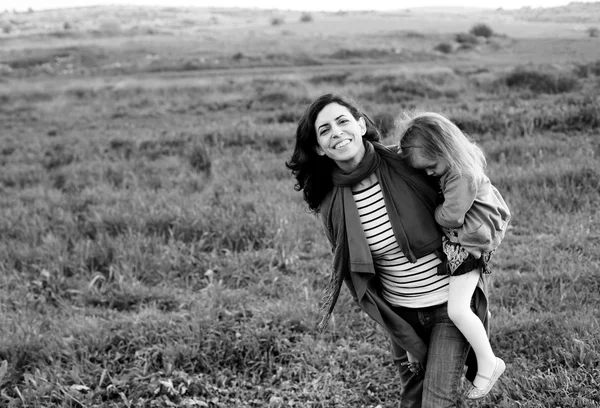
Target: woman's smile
(342, 144)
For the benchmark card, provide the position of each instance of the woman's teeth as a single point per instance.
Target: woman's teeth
(342, 144)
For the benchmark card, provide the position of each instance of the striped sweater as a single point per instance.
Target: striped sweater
(403, 283)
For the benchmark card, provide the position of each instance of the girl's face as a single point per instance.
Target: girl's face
(339, 136)
(435, 168)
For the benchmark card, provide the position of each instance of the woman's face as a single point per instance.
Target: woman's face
(339, 136)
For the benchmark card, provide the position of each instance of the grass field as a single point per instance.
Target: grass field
(154, 253)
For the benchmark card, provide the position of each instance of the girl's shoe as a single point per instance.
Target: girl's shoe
(476, 392)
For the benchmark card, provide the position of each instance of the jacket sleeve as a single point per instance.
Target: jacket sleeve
(459, 194)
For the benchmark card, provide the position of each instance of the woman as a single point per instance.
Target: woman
(378, 214)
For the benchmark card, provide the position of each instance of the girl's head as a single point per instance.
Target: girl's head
(433, 143)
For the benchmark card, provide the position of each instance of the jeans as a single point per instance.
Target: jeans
(440, 385)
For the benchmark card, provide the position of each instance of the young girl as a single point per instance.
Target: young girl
(474, 218)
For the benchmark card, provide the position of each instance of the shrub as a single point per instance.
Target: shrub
(466, 38)
(593, 32)
(481, 30)
(414, 34)
(585, 116)
(345, 53)
(589, 69)
(57, 156)
(292, 116)
(123, 148)
(396, 90)
(385, 122)
(306, 18)
(200, 160)
(444, 47)
(333, 78)
(277, 21)
(541, 82)
(153, 149)
(466, 46)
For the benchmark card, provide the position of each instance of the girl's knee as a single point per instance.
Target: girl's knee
(457, 312)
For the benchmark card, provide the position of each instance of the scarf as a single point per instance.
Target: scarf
(410, 201)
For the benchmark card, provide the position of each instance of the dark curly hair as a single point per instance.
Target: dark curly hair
(313, 172)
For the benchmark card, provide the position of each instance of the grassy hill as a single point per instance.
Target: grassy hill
(154, 253)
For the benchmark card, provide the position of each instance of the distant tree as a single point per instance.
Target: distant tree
(67, 25)
(306, 18)
(593, 32)
(481, 30)
(277, 21)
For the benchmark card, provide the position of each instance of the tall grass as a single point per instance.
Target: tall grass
(153, 251)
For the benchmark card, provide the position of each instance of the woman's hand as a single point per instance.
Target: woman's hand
(414, 365)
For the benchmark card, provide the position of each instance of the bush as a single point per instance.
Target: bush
(345, 53)
(466, 38)
(385, 122)
(200, 160)
(277, 21)
(306, 18)
(589, 69)
(593, 32)
(334, 78)
(466, 46)
(541, 82)
(481, 30)
(444, 47)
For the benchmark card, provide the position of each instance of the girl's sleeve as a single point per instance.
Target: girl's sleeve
(459, 195)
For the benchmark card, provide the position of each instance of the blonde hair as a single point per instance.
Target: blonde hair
(436, 137)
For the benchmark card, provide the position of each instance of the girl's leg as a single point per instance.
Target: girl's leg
(459, 310)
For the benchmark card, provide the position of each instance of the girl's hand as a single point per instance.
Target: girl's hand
(414, 365)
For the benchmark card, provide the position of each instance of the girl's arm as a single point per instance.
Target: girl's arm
(459, 195)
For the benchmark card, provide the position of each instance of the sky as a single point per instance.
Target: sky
(309, 5)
